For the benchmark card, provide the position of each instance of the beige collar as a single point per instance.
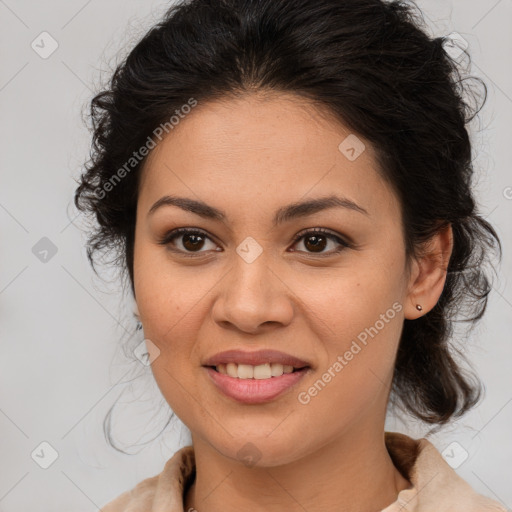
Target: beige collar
(436, 487)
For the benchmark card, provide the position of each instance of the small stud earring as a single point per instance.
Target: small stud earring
(418, 307)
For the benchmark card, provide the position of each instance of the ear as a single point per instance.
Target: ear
(428, 274)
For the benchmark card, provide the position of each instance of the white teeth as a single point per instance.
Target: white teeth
(247, 371)
(261, 371)
(276, 369)
(231, 370)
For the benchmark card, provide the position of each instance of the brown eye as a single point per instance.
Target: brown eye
(315, 241)
(191, 241)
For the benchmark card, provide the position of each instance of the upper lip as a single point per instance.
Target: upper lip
(255, 358)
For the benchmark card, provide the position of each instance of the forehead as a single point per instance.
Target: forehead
(257, 147)
(262, 123)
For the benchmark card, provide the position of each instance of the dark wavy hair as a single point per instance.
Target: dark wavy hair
(374, 67)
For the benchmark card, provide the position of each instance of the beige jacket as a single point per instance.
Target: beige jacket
(436, 487)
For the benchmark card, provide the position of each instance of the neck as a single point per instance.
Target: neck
(351, 473)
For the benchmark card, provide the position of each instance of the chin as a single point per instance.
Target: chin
(259, 450)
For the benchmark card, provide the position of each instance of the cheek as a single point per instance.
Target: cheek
(359, 325)
(357, 316)
(173, 302)
(170, 308)
(345, 301)
(163, 290)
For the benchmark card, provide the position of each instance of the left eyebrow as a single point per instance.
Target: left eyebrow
(304, 208)
(284, 214)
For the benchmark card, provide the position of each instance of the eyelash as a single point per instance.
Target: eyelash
(169, 237)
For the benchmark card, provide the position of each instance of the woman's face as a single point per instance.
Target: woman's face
(243, 283)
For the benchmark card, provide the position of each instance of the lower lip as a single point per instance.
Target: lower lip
(255, 391)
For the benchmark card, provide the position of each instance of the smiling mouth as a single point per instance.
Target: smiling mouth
(257, 372)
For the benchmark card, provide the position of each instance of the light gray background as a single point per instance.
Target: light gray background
(61, 366)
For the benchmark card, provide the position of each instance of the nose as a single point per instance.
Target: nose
(253, 297)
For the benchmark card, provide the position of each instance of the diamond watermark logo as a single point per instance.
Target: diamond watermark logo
(352, 147)
(44, 455)
(146, 352)
(455, 455)
(249, 250)
(44, 250)
(249, 454)
(455, 45)
(44, 45)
